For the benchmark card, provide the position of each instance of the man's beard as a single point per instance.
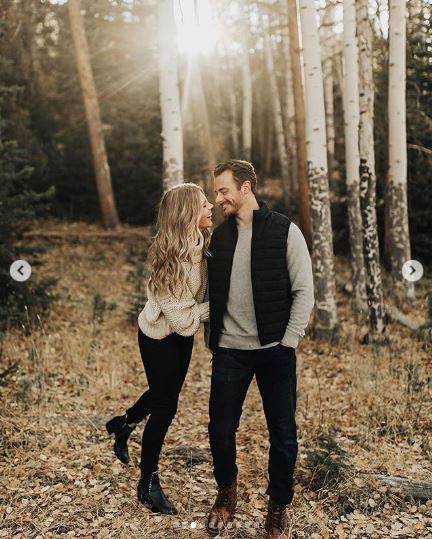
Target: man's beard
(231, 208)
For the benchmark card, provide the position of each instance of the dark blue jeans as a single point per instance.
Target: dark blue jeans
(275, 372)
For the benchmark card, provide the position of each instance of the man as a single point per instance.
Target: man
(261, 296)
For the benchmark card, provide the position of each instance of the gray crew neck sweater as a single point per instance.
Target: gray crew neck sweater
(239, 324)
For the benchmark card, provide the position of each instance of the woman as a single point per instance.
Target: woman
(167, 324)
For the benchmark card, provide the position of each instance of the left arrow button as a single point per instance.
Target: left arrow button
(20, 270)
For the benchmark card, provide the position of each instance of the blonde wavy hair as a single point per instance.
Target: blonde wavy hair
(177, 238)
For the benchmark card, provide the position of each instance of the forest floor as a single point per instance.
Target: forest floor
(361, 410)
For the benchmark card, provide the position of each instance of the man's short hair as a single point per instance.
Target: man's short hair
(242, 171)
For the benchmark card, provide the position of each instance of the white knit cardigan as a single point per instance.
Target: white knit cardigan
(167, 314)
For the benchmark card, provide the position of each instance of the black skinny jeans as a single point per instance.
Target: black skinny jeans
(166, 362)
(232, 373)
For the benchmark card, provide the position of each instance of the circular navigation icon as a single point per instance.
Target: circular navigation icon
(412, 270)
(20, 270)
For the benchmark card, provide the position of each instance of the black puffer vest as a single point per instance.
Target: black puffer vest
(271, 286)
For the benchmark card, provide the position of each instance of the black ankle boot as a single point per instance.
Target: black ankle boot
(150, 493)
(121, 430)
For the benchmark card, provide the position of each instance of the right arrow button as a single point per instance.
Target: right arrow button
(412, 270)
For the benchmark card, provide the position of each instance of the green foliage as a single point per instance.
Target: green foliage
(18, 205)
(419, 139)
(124, 66)
(328, 462)
(419, 132)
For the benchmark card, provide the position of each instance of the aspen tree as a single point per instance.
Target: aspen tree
(352, 156)
(400, 244)
(172, 134)
(367, 174)
(322, 241)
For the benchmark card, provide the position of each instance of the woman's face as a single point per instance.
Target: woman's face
(205, 220)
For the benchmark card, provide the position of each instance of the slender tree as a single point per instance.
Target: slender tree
(268, 161)
(401, 247)
(205, 121)
(234, 130)
(327, 47)
(94, 123)
(352, 157)
(277, 111)
(204, 110)
(367, 174)
(247, 98)
(172, 133)
(338, 67)
(289, 109)
(300, 124)
(322, 241)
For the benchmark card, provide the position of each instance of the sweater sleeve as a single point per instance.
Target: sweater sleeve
(184, 314)
(300, 273)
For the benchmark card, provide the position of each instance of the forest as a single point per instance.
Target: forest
(106, 104)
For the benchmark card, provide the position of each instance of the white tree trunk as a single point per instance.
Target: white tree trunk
(289, 109)
(277, 110)
(352, 156)
(367, 173)
(322, 241)
(401, 248)
(327, 40)
(247, 100)
(172, 134)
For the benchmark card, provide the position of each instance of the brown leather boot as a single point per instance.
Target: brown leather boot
(276, 521)
(223, 509)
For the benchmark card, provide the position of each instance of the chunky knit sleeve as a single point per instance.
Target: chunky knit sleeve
(185, 314)
(180, 312)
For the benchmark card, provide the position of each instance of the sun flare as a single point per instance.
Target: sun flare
(197, 29)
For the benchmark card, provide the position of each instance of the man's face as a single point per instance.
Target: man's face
(228, 194)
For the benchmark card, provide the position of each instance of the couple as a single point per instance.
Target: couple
(261, 295)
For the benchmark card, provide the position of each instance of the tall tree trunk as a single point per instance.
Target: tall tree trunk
(322, 241)
(367, 174)
(204, 111)
(172, 134)
(94, 123)
(247, 97)
(327, 39)
(269, 148)
(233, 115)
(289, 110)
(401, 247)
(277, 113)
(261, 128)
(339, 70)
(352, 118)
(205, 122)
(300, 124)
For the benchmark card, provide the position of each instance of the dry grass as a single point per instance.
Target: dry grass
(58, 475)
